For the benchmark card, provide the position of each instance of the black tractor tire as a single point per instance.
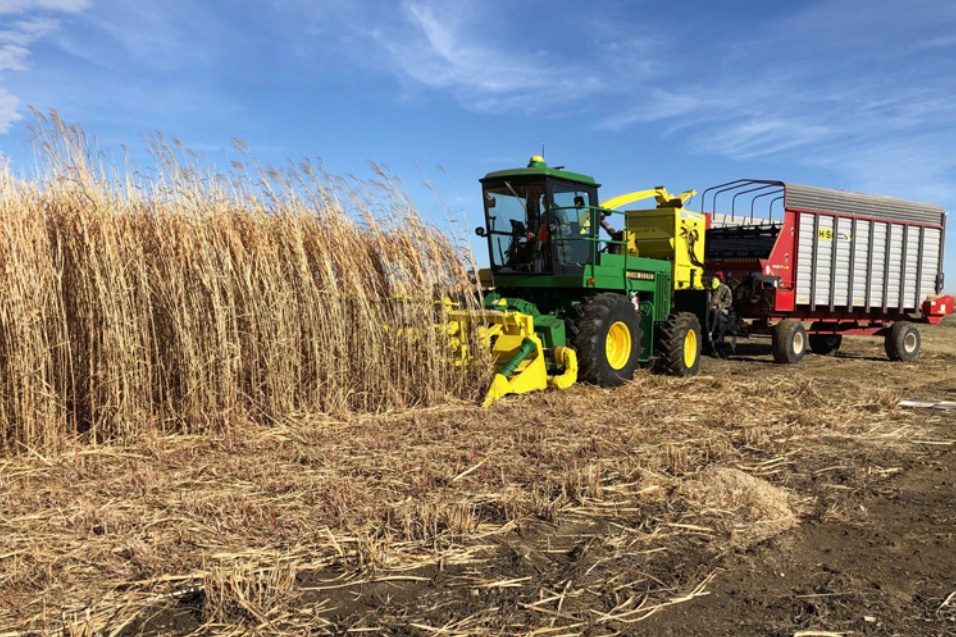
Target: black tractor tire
(902, 342)
(789, 342)
(824, 344)
(679, 344)
(607, 337)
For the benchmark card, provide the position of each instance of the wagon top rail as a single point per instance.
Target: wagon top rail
(756, 199)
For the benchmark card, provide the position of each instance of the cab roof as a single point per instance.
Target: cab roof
(538, 168)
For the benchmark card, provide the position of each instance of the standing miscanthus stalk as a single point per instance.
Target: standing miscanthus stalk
(191, 301)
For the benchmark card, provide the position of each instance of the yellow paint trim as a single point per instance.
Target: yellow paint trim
(566, 357)
(664, 198)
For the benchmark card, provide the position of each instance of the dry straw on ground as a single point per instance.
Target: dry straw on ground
(189, 301)
(748, 508)
(561, 502)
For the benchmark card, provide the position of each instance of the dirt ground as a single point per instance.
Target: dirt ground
(755, 499)
(882, 561)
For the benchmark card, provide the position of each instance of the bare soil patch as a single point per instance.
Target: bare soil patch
(755, 499)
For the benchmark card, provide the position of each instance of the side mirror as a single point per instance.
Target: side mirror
(480, 231)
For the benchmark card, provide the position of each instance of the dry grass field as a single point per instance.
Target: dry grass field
(177, 299)
(755, 499)
(206, 431)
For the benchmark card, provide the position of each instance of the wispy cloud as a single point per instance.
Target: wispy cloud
(35, 22)
(21, 34)
(833, 83)
(841, 84)
(8, 110)
(170, 36)
(788, 86)
(22, 6)
(13, 57)
(448, 47)
(485, 59)
(918, 166)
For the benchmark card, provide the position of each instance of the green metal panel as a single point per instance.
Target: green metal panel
(647, 332)
(551, 331)
(520, 281)
(663, 297)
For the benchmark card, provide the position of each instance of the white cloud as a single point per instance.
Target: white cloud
(485, 58)
(8, 110)
(15, 40)
(448, 48)
(659, 105)
(838, 92)
(13, 57)
(22, 6)
(938, 43)
(919, 167)
(761, 136)
(17, 36)
(24, 32)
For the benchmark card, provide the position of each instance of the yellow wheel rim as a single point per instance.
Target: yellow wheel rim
(690, 348)
(618, 345)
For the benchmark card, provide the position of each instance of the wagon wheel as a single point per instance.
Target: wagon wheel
(789, 341)
(824, 344)
(902, 342)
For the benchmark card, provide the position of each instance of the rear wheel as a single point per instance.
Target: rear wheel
(607, 339)
(824, 344)
(678, 344)
(789, 341)
(903, 341)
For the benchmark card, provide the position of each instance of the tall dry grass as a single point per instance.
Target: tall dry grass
(185, 300)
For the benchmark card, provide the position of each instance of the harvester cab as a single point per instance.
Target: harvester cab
(538, 220)
(583, 288)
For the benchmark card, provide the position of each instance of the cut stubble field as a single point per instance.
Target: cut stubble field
(754, 499)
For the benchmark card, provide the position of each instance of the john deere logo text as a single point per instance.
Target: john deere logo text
(643, 276)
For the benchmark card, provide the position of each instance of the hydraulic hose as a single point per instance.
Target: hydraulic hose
(526, 349)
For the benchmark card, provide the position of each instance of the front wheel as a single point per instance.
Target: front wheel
(902, 342)
(607, 339)
(678, 344)
(789, 341)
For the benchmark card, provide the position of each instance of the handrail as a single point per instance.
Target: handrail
(595, 218)
(741, 187)
(733, 202)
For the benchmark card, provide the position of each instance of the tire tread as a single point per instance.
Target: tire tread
(670, 343)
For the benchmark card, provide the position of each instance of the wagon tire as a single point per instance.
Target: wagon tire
(824, 344)
(789, 342)
(902, 342)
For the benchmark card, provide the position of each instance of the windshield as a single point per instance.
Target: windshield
(541, 225)
(514, 213)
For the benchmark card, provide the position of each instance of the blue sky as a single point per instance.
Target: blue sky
(851, 94)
